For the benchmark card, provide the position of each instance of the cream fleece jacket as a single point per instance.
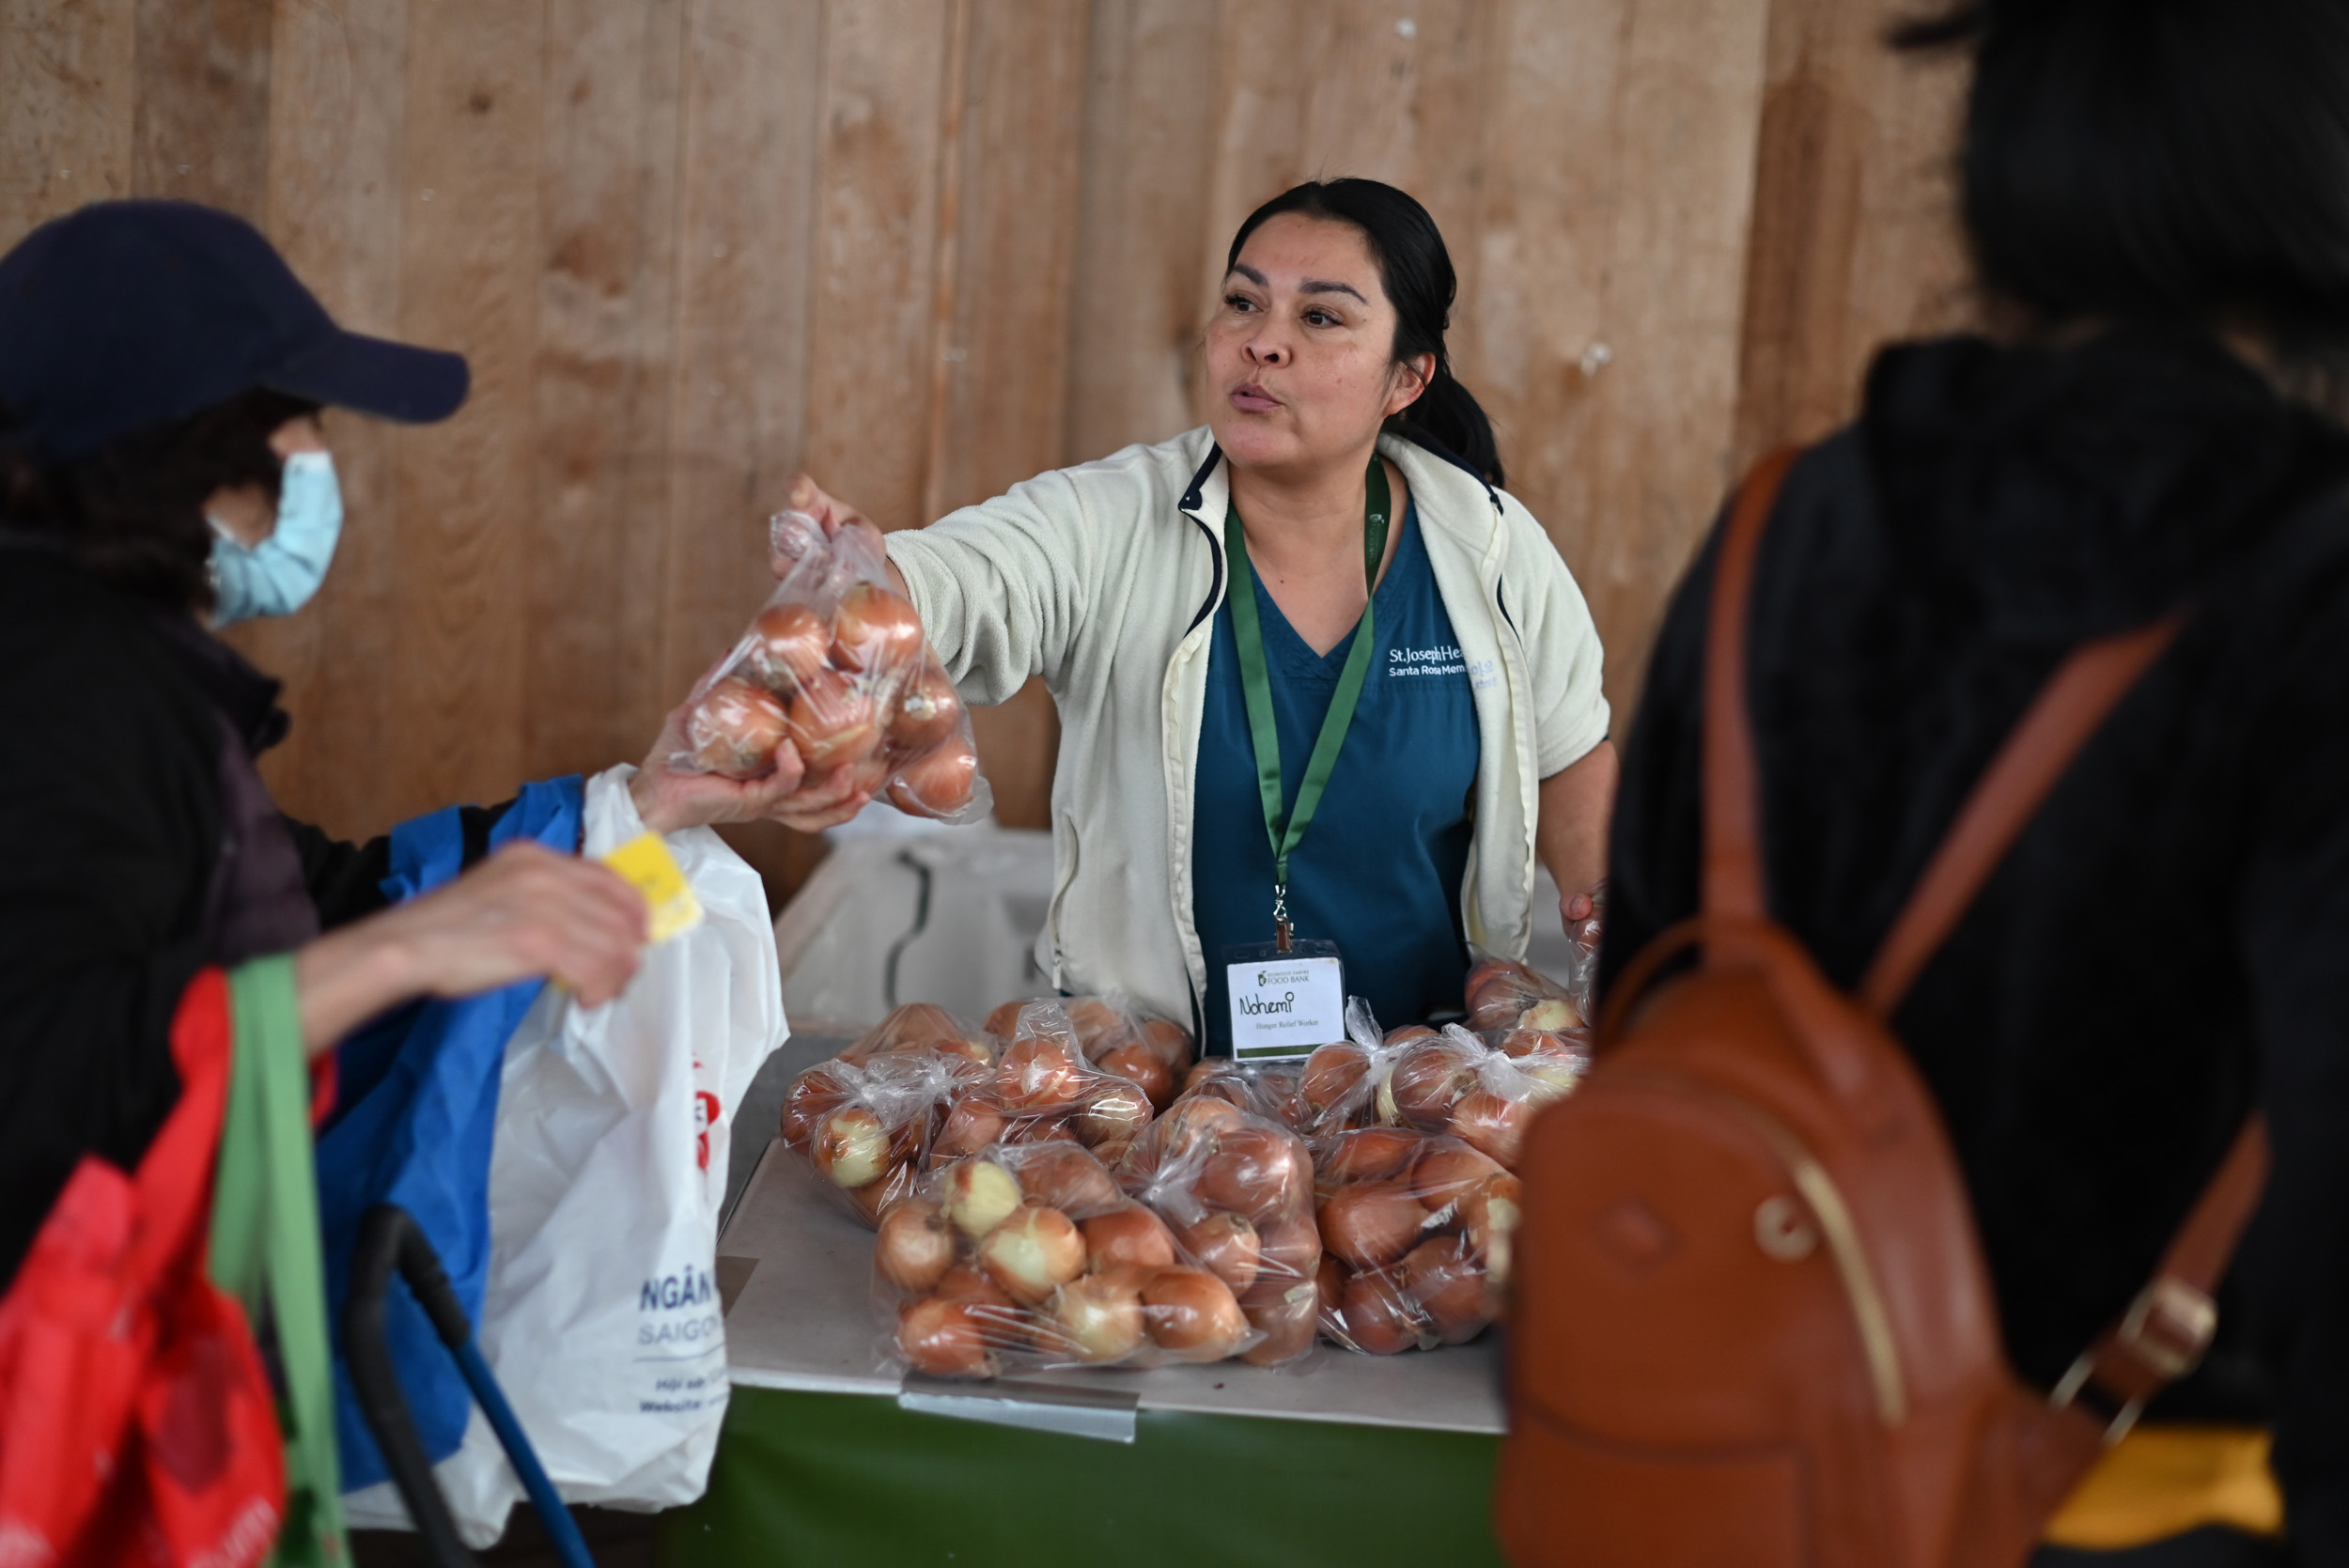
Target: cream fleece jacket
(1105, 579)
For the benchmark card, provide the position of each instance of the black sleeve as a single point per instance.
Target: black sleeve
(110, 811)
(1653, 845)
(2293, 931)
(346, 880)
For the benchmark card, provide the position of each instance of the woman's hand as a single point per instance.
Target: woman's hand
(669, 797)
(525, 912)
(834, 515)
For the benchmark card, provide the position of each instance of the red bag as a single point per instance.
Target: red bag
(136, 1425)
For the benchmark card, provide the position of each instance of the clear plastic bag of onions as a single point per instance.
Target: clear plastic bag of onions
(1119, 1039)
(1236, 1192)
(1042, 1089)
(1028, 1256)
(869, 1119)
(836, 663)
(1416, 1229)
(1273, 1089)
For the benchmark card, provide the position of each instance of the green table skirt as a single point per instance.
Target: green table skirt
(832, 1478)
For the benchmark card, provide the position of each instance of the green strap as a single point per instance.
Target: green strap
(1284, 825)
(266, 1248)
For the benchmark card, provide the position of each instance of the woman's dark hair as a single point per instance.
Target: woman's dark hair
(1417, 271)
(2161, 162)
(133, 512)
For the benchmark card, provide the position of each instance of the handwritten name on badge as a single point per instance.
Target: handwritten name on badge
(1286, 1007)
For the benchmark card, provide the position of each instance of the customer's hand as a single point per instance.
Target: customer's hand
(523, 912)
(669, 797)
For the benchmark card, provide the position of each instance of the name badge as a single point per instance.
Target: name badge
(1286, 1004)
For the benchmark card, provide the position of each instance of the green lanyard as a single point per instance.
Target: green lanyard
(1283, 826)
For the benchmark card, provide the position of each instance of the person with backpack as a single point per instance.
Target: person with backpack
(1984, 1189)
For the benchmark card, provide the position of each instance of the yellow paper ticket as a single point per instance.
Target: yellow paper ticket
(644, 862)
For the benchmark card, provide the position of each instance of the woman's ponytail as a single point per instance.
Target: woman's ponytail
(1417, 271)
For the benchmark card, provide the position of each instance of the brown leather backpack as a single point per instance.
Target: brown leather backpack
(1753, 1324)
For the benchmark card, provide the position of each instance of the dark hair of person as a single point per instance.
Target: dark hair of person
(2167, 163)
(1417, 272)
(132, 511)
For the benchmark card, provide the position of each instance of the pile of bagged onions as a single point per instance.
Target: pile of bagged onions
(1044, 1196)
(837, 665)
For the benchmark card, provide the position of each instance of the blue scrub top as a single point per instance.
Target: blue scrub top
(1381, 867)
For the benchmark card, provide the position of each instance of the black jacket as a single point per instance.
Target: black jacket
(2169, 941)
(136, 846)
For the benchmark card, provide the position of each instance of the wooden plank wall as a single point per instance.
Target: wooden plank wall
(928, 247)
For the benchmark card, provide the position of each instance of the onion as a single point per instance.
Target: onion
(1113, 1114)
(1204, 1068)
(874, 1198)
(944, 1338)
(1131, 1235)
(1291, 1249)
(1493, 1123)
(1005, 1021)
(1371, 1224)
(977, 1052)
(1368, 1155)
(1226, 1246)
(832, 722)
(1397, 1038)
(850, 1147)
(874, 629)
(939, 783)
(1099, 1315)
(1377, 1318)
(735, 728)
(1046, 1128)
(1446, 1169)
(1140, 1065)
(1115, 1155)
(1038, 1071)
(965, 1284)
(1259, 1171)
(813, 1094)
(792, 644)
(1556, 1071)
(1097, 1024)
(928, 713)
(1066, 1178)
(1033, 1250)
(1168, 1042)
(1285, 1318)
(1442, 1277)
(1192, 1315)
(1429, 1079)
(915, 1247)
(980, 1195)
(1332, 1072)
(1196, 1120)
(1489, 1211)
(970, 1126)
(1551, 1015)
(1329, 1283)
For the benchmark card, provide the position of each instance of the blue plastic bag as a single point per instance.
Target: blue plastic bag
(415, 1105)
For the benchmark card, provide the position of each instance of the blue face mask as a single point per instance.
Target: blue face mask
(279, 575)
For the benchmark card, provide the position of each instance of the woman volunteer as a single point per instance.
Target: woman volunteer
(1317, 673)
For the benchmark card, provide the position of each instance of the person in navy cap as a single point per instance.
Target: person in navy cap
(163, 473)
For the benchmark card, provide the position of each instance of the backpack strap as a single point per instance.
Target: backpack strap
(2165, 1330)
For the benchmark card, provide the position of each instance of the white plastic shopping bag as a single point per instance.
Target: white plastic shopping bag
(601, 1319)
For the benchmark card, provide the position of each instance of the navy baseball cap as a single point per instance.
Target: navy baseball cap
(130, 314)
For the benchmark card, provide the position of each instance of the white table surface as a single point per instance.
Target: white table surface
(802, 1319)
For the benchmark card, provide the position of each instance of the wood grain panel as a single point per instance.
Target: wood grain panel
(598, 535)
(200, 128)
(1854, 234)
(1000, 364)
(338, 109)
(1142, 239)
(1606, 319)
(873, 332)
(470, 257)
(67, 106)
(739, 382)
